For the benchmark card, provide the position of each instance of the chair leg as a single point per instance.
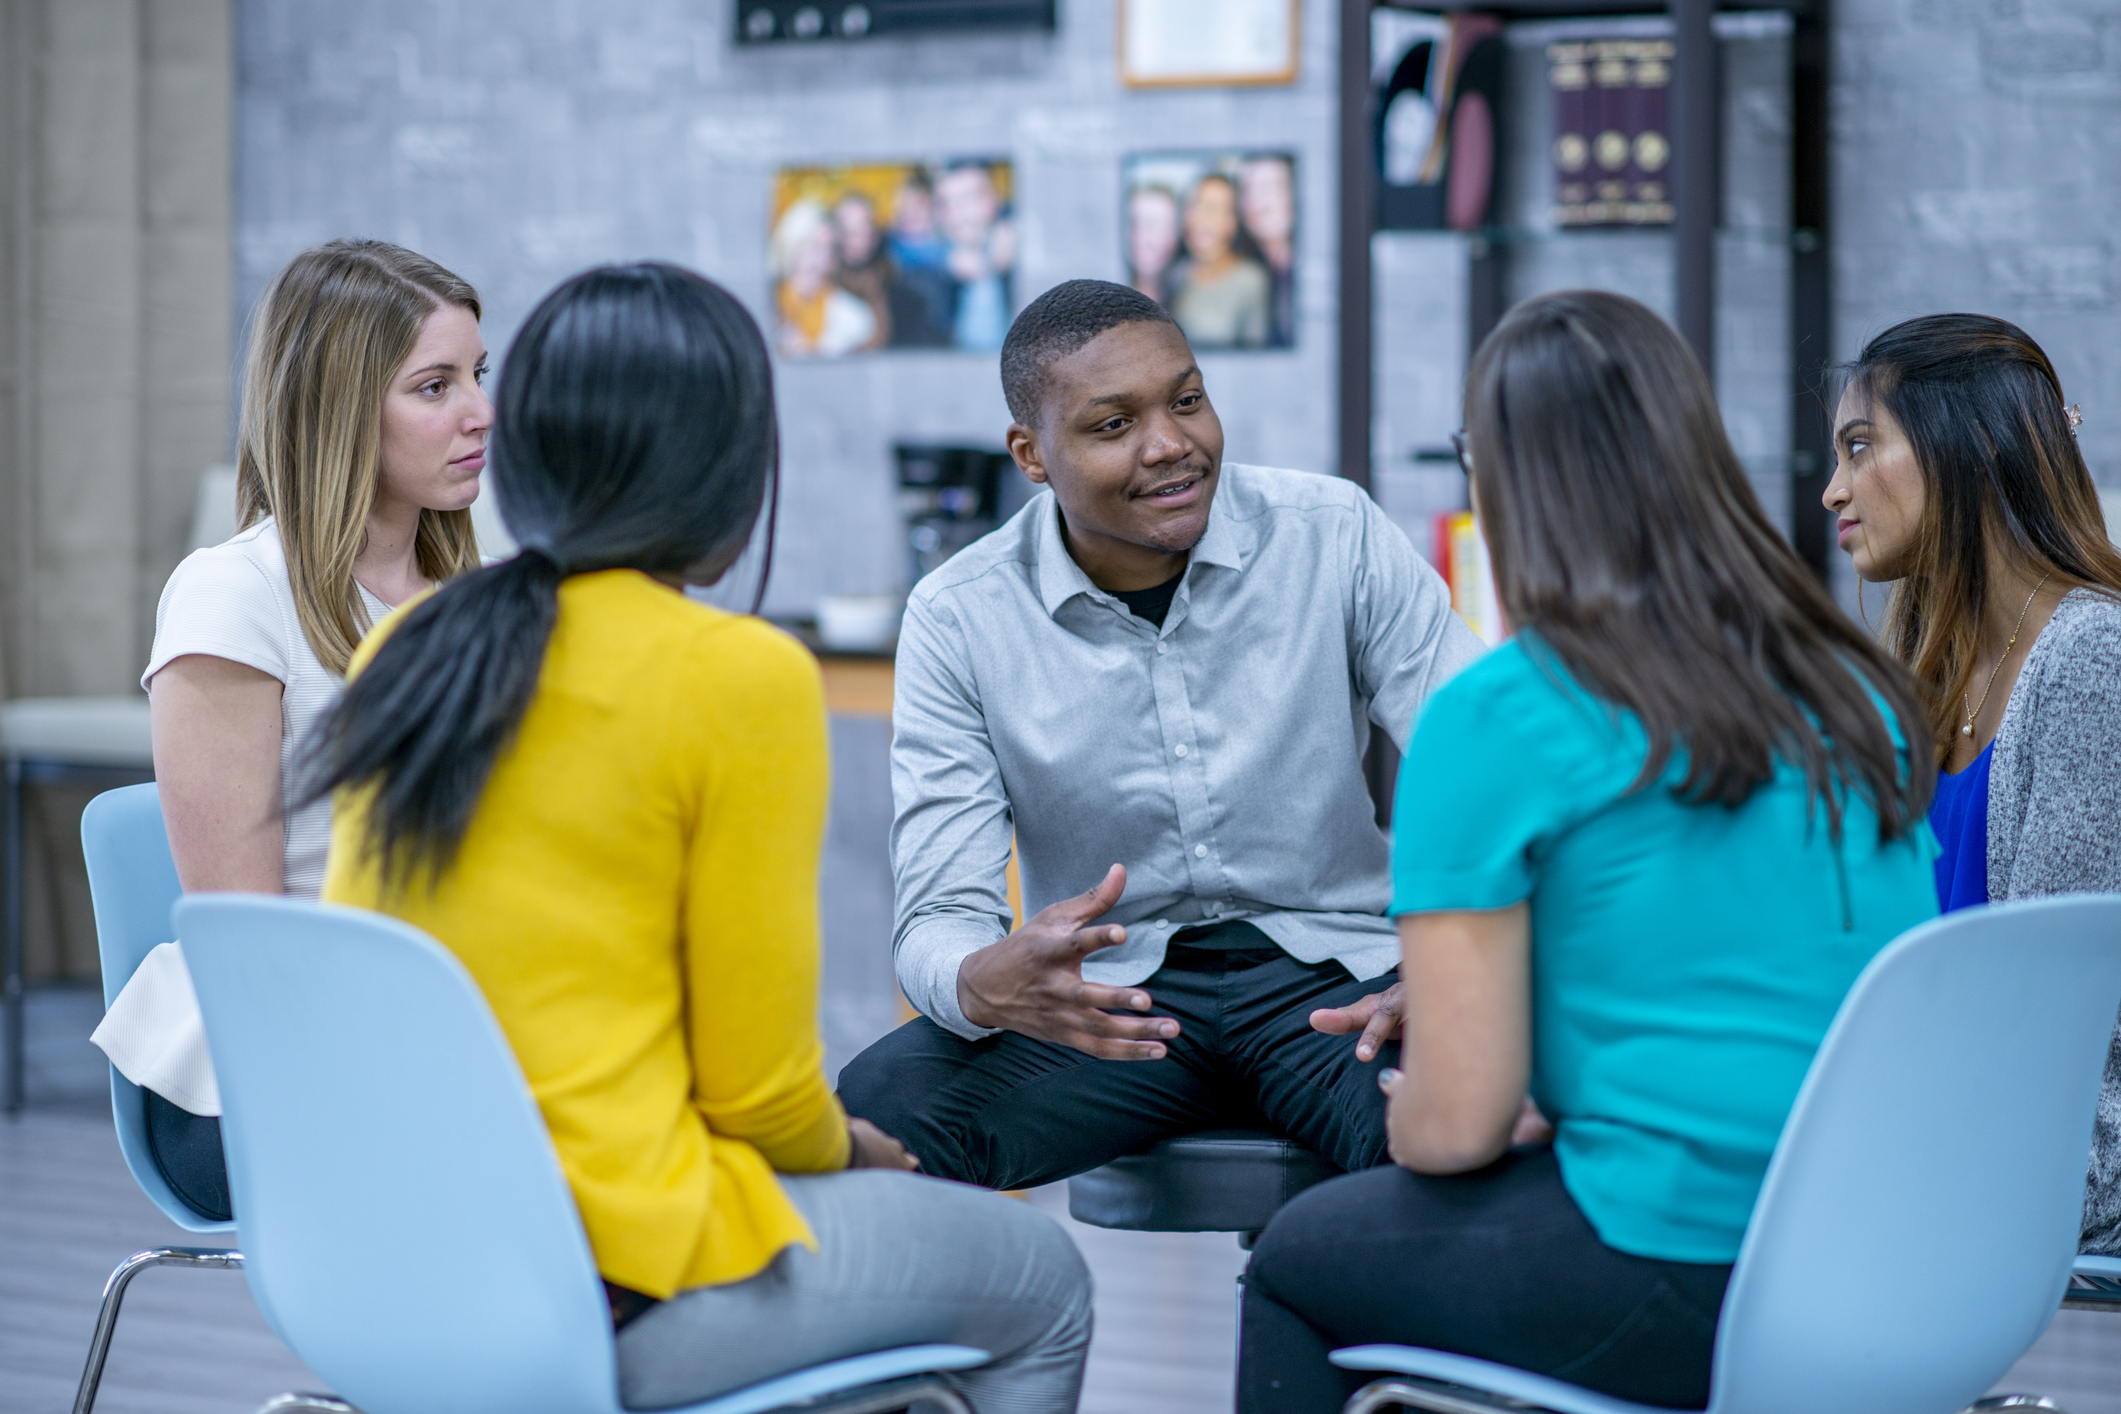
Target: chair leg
(899, 1394)
(292, 1403)
(114, 1296)
(1398, 1390)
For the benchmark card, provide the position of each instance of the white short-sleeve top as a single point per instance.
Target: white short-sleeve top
(234, 601)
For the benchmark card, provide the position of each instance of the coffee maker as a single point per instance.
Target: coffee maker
(949, 497)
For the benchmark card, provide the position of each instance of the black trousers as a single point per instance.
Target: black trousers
(1011, 1112)
(187, 1149)
(1498, 1264)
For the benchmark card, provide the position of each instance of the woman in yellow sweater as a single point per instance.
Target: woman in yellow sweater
(609, 802)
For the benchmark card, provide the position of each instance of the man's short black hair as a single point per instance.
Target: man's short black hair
(1059, 322)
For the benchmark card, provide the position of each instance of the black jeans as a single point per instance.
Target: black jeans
(187, 1149)
(1011, 1112)
(1498, 1264)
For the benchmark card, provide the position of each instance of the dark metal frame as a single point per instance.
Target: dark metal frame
(23, 771)
(1696, 189)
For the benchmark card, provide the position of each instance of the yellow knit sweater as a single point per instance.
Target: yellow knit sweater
(637, 896)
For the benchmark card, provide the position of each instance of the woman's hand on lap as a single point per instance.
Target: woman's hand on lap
(871, 1148)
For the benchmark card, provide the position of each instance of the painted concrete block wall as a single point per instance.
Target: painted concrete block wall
(519, 142)
(1976, 169)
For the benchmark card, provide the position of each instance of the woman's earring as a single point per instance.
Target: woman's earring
(2075, 413)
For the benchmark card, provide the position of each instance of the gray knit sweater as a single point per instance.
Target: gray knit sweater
(2054, 819)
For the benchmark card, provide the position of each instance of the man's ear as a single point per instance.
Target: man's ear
(1023, 446)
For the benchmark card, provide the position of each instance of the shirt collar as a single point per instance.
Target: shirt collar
(1060, 578)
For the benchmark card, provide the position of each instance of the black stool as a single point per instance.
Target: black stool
(1220, 1180)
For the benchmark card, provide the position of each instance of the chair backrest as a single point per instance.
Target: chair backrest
(1919, 1218)
(132, 882)
(406, 1225)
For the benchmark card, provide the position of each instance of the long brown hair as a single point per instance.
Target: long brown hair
(329, 335)
(1627, 540)
(1983, 411)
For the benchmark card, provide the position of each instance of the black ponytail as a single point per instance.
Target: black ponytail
(634, 428)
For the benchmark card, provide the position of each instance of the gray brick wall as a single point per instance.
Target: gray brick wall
(1976, 169)
(517, 142)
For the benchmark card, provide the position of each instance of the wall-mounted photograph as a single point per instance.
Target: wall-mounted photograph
(1212, 236)
(905, 255)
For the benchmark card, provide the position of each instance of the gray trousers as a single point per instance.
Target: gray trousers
(901, 1260)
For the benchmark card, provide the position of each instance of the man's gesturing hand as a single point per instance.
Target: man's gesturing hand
(1031, 982)
(1376, 1016)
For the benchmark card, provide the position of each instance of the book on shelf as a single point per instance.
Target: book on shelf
(1461, 557)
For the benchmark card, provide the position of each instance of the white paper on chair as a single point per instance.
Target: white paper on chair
(155, 1036)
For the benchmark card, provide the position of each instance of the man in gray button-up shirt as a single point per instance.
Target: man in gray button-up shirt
(1161, 677)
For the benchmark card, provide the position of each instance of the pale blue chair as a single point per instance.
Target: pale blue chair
(406, 1226)
(1918, 1224)
(132, 881)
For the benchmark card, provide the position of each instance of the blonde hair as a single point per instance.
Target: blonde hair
(329, 335)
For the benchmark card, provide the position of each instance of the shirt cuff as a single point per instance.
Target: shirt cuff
(929, 955)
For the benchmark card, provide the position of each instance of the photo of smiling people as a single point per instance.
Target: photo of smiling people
(1212, 236)
(892, 256)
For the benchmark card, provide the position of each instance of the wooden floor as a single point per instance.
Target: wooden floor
(191, 1342)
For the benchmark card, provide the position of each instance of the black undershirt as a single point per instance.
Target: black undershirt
(1152, 603)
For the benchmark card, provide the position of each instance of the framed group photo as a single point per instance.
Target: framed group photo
(1212, 237)
(908, 255)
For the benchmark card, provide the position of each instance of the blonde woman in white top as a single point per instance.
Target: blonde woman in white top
(362, 439)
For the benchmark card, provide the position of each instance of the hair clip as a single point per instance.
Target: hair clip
(2075, 413)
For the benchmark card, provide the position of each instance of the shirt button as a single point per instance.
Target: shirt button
(1163, 648)
(1163, 922)
(1200, 851)
(1181, 749)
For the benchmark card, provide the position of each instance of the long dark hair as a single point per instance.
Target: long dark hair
(634, 428)
(1983, 411)
(1627, 540)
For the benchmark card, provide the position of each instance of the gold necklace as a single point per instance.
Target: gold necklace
(1974, 711)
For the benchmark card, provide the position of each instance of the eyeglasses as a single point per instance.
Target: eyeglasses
(1465, 453)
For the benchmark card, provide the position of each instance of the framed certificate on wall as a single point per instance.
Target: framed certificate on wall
(1179, 43)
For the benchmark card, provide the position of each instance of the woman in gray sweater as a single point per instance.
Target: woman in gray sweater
(1958, 477)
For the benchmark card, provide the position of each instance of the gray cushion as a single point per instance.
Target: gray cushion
(1222, 1180)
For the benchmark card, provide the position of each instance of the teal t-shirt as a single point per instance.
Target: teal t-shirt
(1686, 959)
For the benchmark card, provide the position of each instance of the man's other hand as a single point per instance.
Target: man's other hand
(1031, 982)
(1375, 1016)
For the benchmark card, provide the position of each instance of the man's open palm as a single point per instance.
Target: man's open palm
(1031, 982)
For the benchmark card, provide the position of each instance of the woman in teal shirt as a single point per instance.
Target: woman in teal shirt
(1640, 853)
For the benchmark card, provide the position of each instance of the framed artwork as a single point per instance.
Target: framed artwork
(901, 255)
(1212, 237)
(1176, 43)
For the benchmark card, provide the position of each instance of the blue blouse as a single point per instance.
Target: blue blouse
(1959, 819)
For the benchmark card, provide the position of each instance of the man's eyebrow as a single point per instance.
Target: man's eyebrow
(1192, 371)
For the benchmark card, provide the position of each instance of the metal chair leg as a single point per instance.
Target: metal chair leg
(878, 1399)
(933, 1390)
(114, 1295)
(1399, 1390)
(11, 934)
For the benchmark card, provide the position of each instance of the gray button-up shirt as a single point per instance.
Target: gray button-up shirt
(1219, 758)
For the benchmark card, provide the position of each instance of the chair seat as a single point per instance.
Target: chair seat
(1222, 1180)
(78, 731)
(1486, 1376)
